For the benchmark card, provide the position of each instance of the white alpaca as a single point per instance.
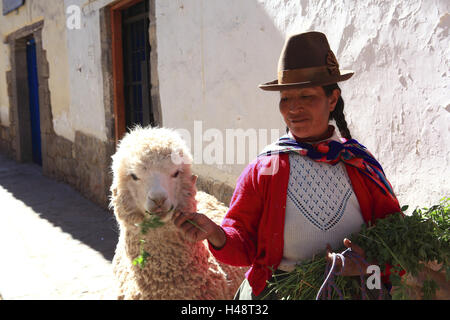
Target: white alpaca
(149, 176)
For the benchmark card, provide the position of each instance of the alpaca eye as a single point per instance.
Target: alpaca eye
(176, 174)
(134, 177)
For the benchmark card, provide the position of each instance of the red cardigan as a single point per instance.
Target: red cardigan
(254, 223)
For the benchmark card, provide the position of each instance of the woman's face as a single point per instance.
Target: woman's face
(306, 111)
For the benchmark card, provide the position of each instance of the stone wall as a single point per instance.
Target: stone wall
(83, 164)
(222, 191)
(6, 141)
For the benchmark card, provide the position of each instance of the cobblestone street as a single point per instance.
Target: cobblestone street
(54, 244)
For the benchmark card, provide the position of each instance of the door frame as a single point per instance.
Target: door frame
(112, 68)
(17, 85)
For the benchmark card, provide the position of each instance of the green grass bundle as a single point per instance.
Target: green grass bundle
(404, 242)
(305, 281)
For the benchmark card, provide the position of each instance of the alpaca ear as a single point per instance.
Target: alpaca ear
(194, 179)
(114, 192)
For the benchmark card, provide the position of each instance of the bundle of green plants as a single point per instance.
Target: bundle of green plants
(405, 242)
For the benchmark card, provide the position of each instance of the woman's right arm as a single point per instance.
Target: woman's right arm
(234, 242)
(240, 224)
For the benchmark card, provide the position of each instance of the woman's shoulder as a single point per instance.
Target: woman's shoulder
(356, 145)
(267, 166)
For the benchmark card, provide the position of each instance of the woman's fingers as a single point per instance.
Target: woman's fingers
(329, 257)
(357, 266)
(347, 243)
(352, 267)
(354, 247)
(187, 227)
(195, 226)
(181, 217)
(191, 234)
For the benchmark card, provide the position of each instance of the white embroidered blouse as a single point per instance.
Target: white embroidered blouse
(321, 208)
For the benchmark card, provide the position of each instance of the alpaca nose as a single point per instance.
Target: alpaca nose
(158, 201)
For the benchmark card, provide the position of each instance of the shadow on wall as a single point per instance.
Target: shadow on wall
(245, 42)
(214, 54)
(60, 205)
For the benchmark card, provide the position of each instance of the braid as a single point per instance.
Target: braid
(338, 113)
(339, 117)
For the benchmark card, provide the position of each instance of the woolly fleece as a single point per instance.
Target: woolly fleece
(176, 269)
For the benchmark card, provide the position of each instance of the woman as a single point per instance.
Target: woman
(309, 190)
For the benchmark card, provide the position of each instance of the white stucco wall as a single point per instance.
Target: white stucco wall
(87, 109)
(211, 57)
(53, 34)
(75, 82)
(212, 54)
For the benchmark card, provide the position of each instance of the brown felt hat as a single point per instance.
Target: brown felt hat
(307, 61)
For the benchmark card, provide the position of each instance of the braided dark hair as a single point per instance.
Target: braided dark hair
(338, 113)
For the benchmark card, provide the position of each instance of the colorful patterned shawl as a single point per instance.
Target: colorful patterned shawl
(351, 152)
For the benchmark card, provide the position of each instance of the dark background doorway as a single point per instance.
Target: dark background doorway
(136, 55)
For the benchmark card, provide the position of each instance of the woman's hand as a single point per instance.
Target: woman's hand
(205, 229)
(351, 268)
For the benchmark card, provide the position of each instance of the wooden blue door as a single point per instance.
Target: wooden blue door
(33, 87)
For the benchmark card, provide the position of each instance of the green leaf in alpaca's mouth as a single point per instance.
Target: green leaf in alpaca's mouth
(153, 221)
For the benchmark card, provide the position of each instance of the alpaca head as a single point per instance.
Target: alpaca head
(152, 173)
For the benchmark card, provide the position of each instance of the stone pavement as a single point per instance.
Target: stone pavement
(54, 244)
